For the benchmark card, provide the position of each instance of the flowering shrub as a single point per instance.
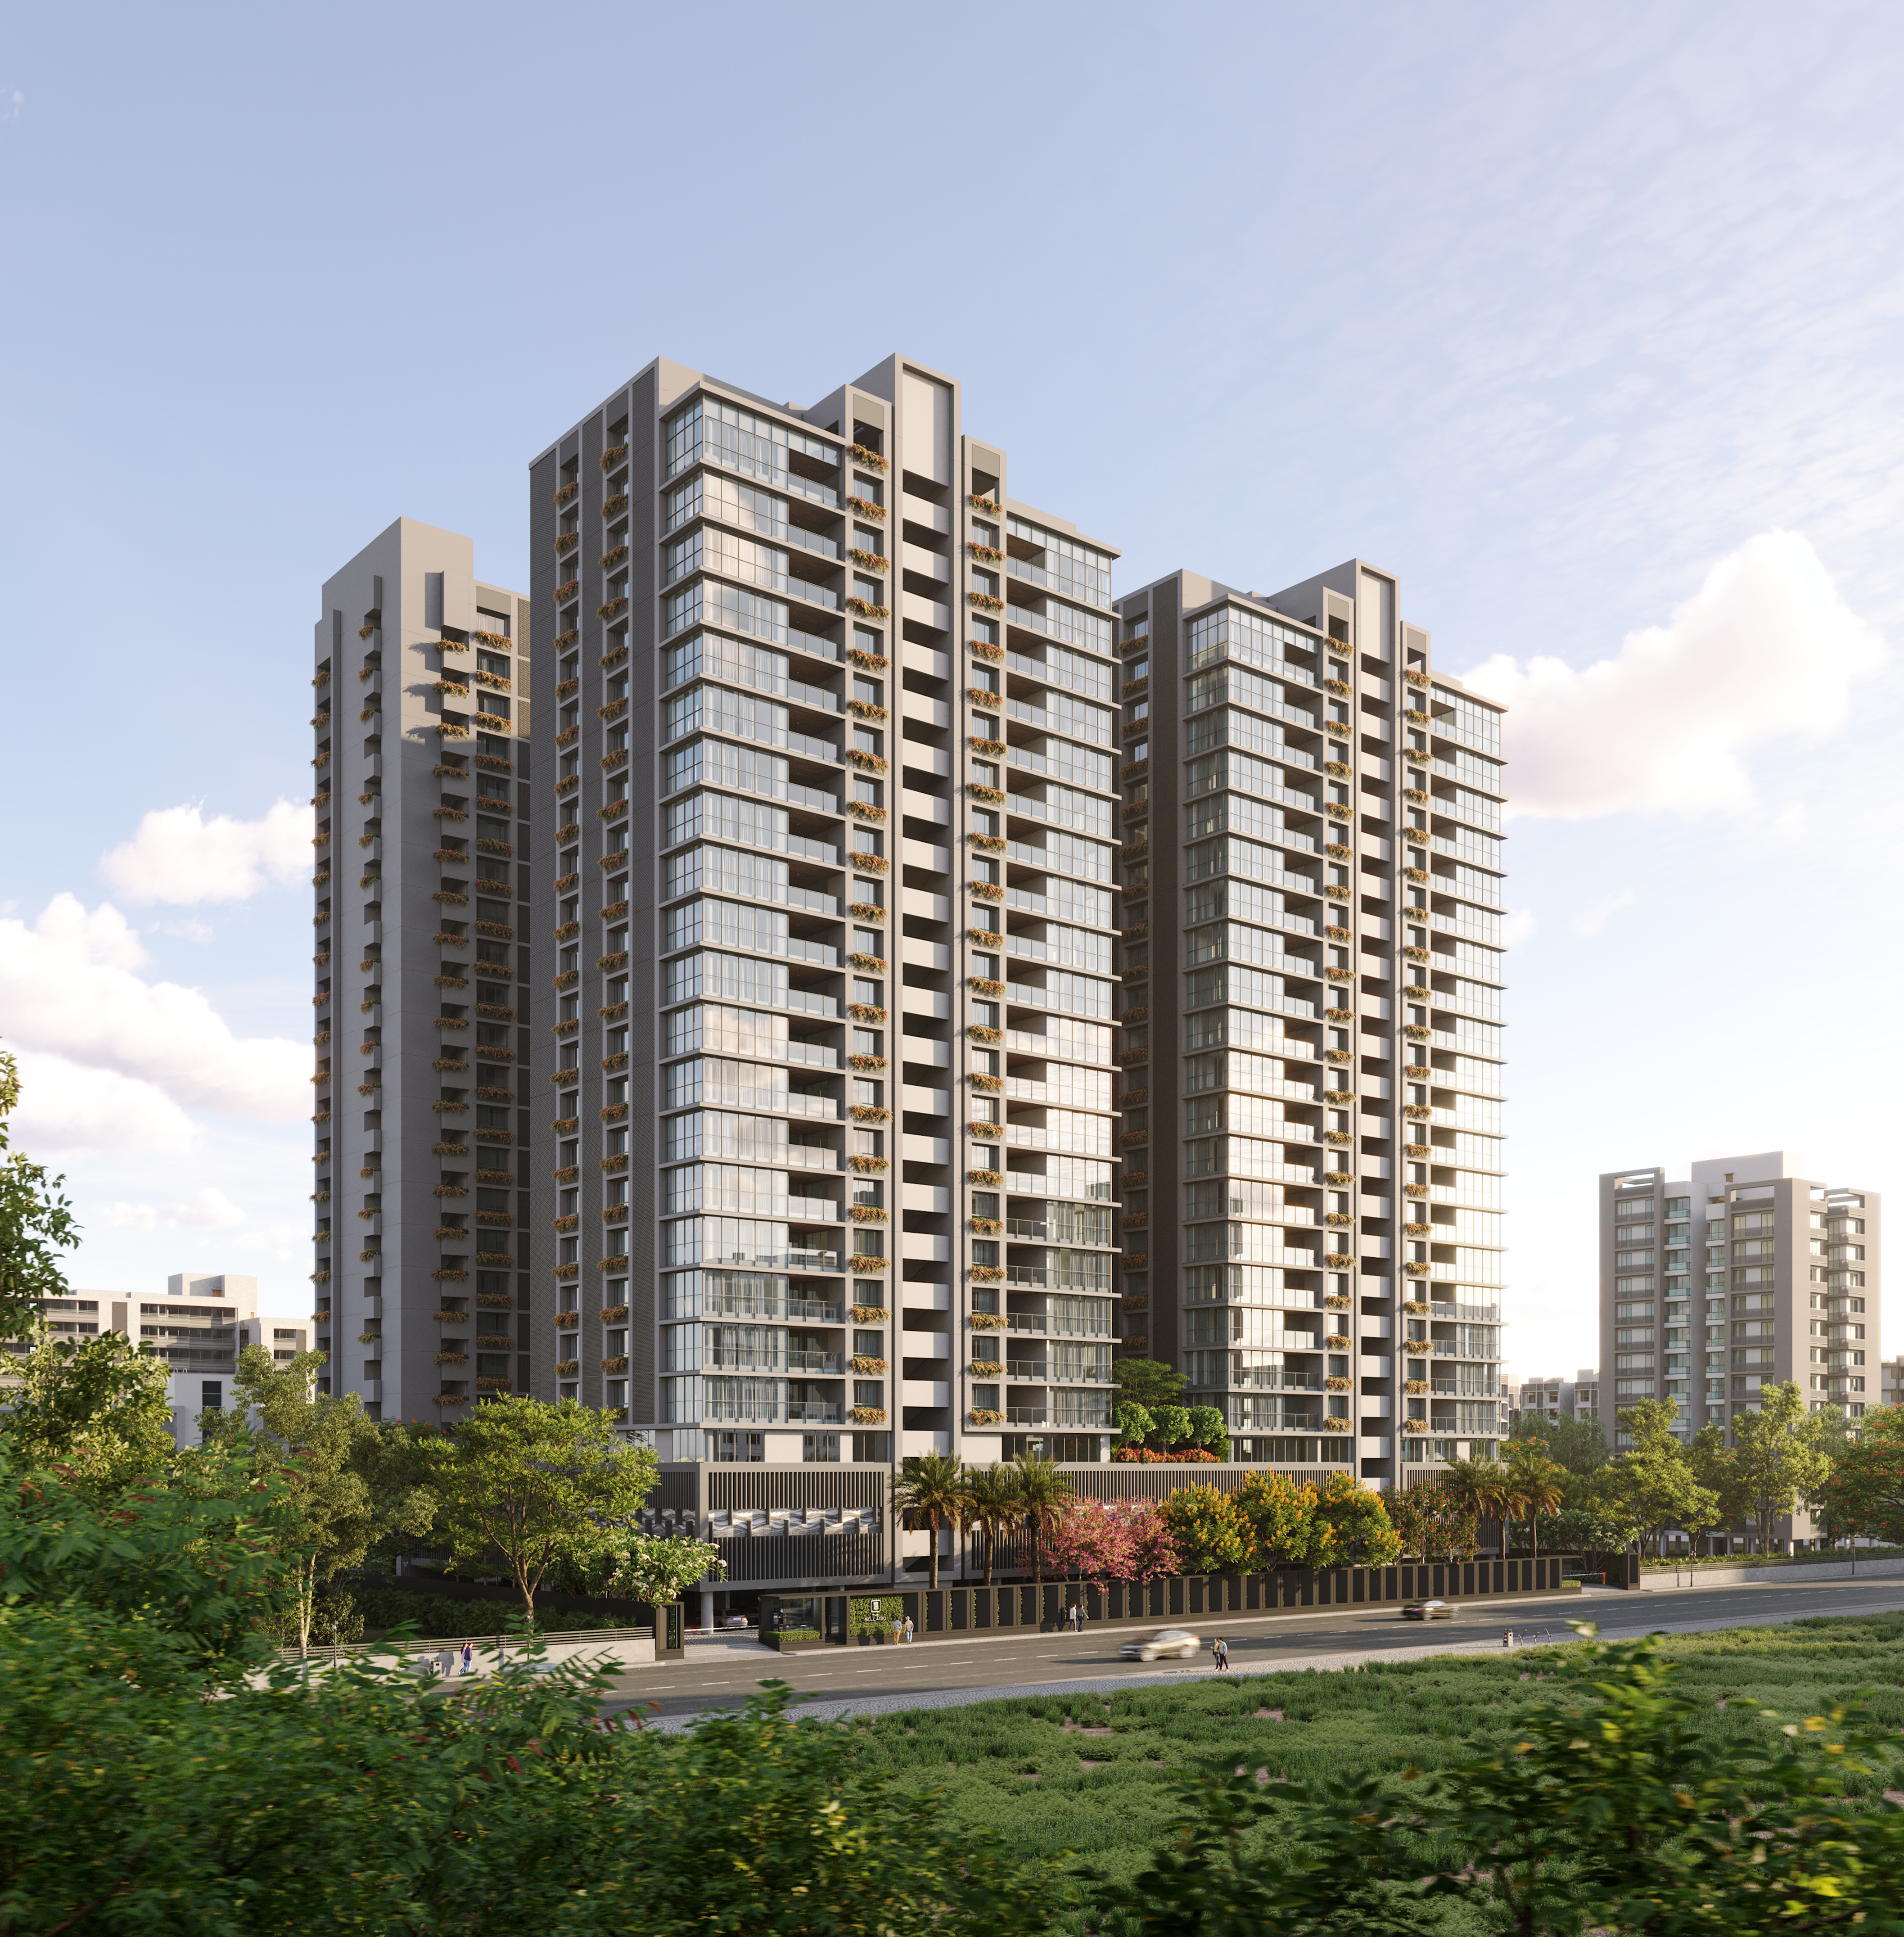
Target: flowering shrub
(1103, 1541)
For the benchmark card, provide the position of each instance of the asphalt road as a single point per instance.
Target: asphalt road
(711, 1678)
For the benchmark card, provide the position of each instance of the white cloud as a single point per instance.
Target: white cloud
(1590, 921)
(205, 1209)
(1519, 927)
(67, 986)
(179, 856)
(64, 1106)
(1766, 648)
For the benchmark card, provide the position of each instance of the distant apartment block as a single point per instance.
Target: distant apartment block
(422, 1246)
(1313, 1063)
(1557, 1399)
(828, 810)
(204, 1320)
(1744, 1274)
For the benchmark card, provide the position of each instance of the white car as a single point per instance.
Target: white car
(1177, 1642)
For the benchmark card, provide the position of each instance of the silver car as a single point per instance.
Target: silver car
(1177, 1642)
(1428, 1610)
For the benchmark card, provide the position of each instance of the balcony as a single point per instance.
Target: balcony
(1098, 732)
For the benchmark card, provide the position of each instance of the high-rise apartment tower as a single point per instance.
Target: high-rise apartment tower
(423, 1242)
(1313, 1057)
(1744, 1274)
(828, 1165)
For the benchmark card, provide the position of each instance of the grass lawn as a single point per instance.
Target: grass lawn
(1095, 1774)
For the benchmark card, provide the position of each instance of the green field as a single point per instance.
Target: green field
(1095, 1774)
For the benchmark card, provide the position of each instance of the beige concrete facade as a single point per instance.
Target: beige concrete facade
(198, 1329)
(1313, 1058)
(827, 1174)
(1744, 1274)
(423, 1249)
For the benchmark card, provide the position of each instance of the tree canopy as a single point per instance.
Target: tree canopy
(532, 1485)
(36, 1223)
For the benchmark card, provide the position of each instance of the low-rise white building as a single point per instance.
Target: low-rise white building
(199, 1328)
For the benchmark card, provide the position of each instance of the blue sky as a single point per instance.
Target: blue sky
(1585, 322)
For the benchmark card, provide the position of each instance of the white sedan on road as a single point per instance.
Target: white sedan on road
(1177, 1642)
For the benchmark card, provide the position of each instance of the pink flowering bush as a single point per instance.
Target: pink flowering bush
(1103, 1541)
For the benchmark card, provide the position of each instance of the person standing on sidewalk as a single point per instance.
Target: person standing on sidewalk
(908, 1630)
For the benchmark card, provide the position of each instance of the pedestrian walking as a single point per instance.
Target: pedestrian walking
(468, 1658)
(1220, 1649)
(908, 1630)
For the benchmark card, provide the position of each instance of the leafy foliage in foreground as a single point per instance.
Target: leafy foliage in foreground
(1112, 1776)
(157, 1777)
(1612, 1806)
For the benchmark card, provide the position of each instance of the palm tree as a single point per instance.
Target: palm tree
(991, 1502)
(1538, 1485)
(1043, 1495)
(931, 1493)
(1473, 1487)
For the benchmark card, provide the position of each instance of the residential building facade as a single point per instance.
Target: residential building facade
(199, 1328)
(1744, 1274)
(828, 1171)
(422, 1244)
(1556, 1398)
(1313, 1064)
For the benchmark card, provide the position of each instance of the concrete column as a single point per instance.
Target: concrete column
(707, 1608)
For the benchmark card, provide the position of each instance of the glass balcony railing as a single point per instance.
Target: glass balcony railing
(1099, 733)
(1090, 682)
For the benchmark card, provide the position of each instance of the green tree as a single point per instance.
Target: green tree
(1579, 1444)
(1281, 1515)
(534, 1485)
(1355, 1522)
(131, 1805)
(1042, 1496)
(1173, 1426)
(991, 1501)
(1653, 1484)
(1536, 1484)
(36, 1223)
(658, 1568)
(1134, 1424)
(932, 1492)
(1213, 1533)
(399, 1460)
(1149, 1383)
(1477, 1489)
(158, 1586)
(279, 1416)
(1208, 1430)
(1784, 1455)
(1863, 1494)
(96, 1407)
